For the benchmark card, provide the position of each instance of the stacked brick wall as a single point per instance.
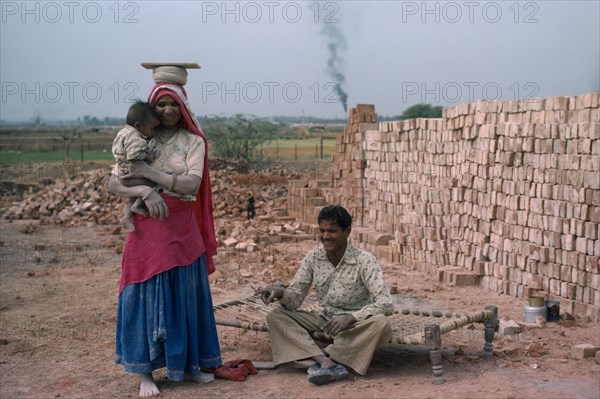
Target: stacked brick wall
(505, 193)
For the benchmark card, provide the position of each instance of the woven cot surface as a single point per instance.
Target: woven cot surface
(408, 324)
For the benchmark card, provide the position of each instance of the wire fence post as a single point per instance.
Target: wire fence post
(321, 148)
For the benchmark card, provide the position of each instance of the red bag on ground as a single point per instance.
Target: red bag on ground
(236, 370)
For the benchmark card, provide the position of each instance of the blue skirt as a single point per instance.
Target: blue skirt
(168, 321)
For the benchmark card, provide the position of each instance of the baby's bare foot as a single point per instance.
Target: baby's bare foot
(126, 222)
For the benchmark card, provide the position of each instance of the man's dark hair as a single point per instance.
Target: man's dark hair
(336, 214)
(139, 112)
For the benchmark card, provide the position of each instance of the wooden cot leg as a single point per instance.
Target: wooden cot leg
(491, 325)
(433, 341)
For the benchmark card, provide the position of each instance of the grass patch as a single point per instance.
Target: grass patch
(298, 149)
(39, 156)
(282, 149)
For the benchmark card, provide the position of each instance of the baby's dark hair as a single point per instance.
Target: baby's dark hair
(336, 214)
(139, 112)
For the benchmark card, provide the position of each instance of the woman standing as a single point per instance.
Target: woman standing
(165, 313)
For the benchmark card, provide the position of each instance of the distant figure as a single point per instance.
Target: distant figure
(250, 210)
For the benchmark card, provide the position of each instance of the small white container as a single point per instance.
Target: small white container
(530, 313)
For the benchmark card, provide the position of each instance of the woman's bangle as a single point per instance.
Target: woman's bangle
(173, 182)
(150, 191)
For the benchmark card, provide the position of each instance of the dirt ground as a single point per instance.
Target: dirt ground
(58, 298)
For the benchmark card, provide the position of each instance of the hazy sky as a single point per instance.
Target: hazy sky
(67, 59)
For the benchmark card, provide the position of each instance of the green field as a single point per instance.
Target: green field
(282, 149)
(39, 156)
(298, 149)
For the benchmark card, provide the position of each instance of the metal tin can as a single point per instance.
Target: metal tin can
(530, 313)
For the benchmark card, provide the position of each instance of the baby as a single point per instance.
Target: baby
(134, 143)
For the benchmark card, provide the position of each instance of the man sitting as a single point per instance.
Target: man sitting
(355, 301)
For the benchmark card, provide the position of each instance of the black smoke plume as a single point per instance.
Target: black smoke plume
(336, 43)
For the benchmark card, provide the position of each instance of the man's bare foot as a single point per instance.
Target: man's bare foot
(324, 361)
(147, 386)
(202, 378)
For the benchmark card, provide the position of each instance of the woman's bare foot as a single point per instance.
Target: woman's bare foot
(202, 378)
(147, 386)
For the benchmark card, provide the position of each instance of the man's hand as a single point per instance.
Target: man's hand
(269, 294)
(337, 324)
